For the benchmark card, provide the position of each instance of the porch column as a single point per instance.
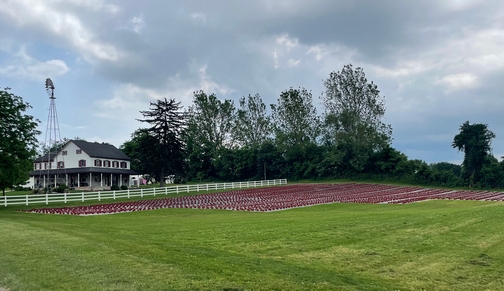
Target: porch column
(101, 179)
(55, 180)
(90, 180)
(111, 180)
(44, 182)
(120, 178)
(78, 179)
(66, 179)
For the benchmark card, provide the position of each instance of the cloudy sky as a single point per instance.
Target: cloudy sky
(438, 63)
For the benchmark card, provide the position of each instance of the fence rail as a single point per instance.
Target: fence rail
(29, 199)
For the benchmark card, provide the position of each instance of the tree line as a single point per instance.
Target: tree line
(215, 139)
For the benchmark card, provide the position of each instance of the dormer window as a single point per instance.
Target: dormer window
(124, 165)
(106, 164)
(115, 164)
(98, 163)
(82, 163)
(64, 153)
(78, 151)
(61, 165)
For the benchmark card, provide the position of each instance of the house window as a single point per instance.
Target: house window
(106, 164)
(61, 165)
(64, 153)
(45, 165)
(123, 165)
(98, 163)
(115, 164)
(79, 151)
(34, 166)
(82, 163)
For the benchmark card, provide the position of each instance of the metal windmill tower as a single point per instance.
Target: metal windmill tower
(52, 137)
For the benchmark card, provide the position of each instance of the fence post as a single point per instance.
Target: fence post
(65, 197)
(141, 192)
(5, 201)
(27, 199)
(177, 189)
(187, 188)
(154, 191)
(46, 198)
(207, 187)
(113, 194)
(99, 198)
(197, 188)
(128, 194)
(82, 196)
(166, 191)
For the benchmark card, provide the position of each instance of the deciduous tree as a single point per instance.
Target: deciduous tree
(253, 125)
(209, 132)
(475, 141)
(18, 141)
(353, 116)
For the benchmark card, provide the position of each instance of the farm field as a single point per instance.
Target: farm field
(431, 245)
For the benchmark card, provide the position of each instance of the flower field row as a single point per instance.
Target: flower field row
(283, 197)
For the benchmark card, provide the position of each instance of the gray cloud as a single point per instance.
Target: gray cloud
(438, 63)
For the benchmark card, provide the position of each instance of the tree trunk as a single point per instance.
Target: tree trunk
(162, 177)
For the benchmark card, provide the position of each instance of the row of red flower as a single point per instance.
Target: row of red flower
(283, 197)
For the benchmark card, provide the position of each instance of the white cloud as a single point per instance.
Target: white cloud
(275, 59)
(51, 17)
(287, 42)
(293, 63)
(459, 81)
(199, 16)
(404, 69)
(25, 67)
(128, 98)
(137, 23)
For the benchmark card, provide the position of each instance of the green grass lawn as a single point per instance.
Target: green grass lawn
(432, 245)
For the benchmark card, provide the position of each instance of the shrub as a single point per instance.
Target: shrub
(124, 187)
(61, 188)
(114, 187)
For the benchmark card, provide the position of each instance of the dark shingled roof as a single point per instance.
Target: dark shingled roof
(45, 158)
(100, 150)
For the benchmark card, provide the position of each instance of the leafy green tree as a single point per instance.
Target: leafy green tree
(253, 125)
(143, 149)
(167, 123)
(296, 127)
(18, 141)
(492, 174)
(353, 116)
(209, 133)
(475, 141)
(444, 166)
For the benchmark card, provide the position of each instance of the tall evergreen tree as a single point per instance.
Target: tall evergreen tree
(167, 125)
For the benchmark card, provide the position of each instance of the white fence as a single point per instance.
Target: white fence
(142, 192)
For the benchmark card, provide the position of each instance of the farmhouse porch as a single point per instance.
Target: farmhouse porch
(83, 178)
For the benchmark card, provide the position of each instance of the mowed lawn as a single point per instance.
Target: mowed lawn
(431, 245)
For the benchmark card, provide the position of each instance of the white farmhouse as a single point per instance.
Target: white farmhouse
(83, 165)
